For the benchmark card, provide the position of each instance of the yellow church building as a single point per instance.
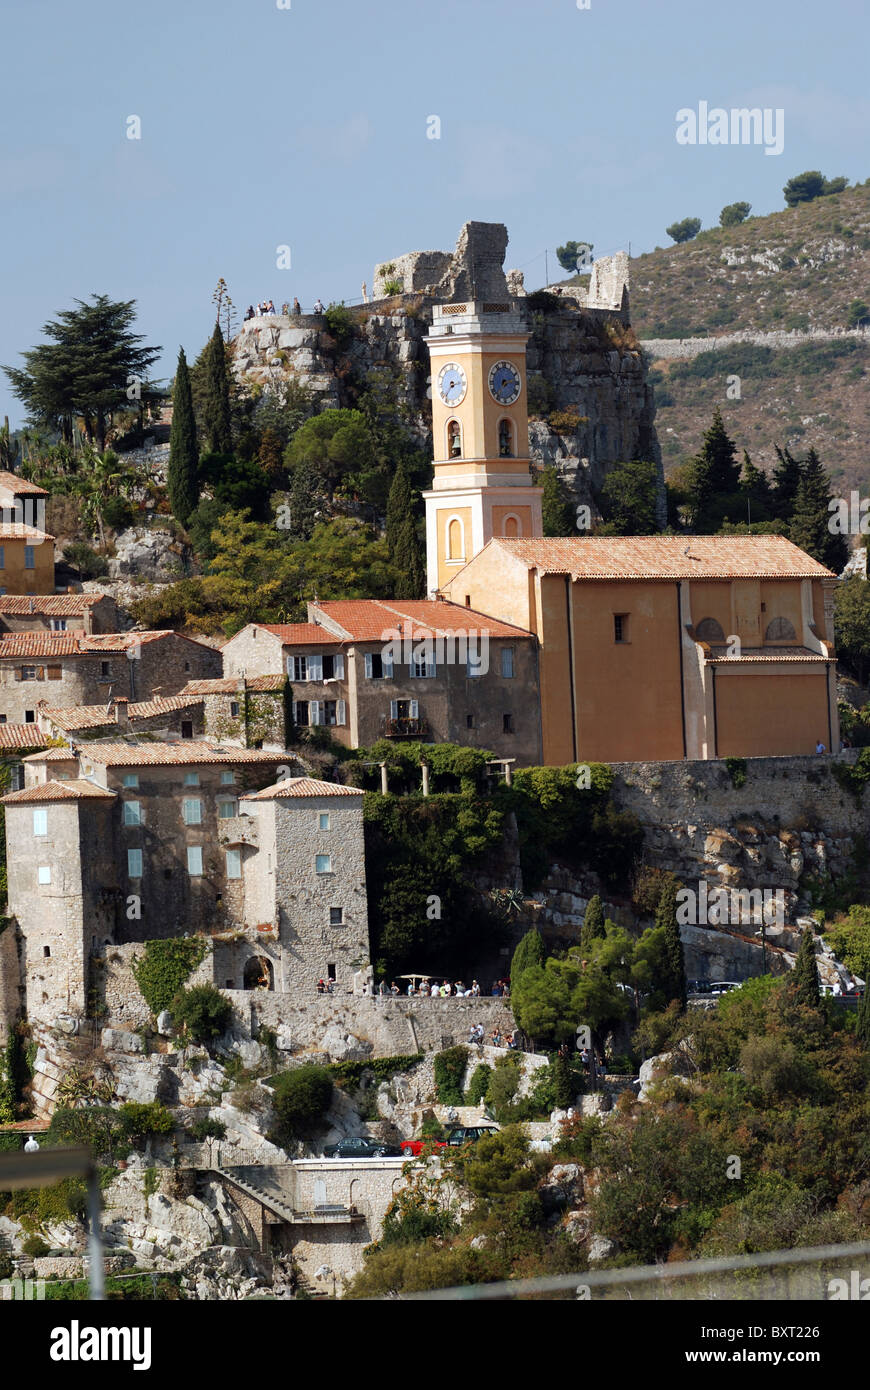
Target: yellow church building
(653, 647)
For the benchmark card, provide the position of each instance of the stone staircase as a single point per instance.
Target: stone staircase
(268, 1200)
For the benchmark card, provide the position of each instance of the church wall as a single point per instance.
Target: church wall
(770, 715)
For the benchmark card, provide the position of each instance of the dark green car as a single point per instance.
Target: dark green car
(468, 1134)
(361, 1148)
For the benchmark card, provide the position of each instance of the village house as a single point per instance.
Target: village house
(68, 669)
(368, 669)
(248, 712)
(85, 613)
(163, 717)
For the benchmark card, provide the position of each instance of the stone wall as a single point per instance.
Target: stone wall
(658, 348)
(473, 271)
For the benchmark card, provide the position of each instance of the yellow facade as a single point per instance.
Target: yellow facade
(26, 560)
(482, 481)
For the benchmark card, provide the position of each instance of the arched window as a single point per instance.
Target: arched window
(505, 439)
(708, 630)
(780, 630)
(259, 973)
(512, 526)
(455, 539)
(454, 439)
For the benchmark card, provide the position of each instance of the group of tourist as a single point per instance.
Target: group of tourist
(432, 990)
(326, 986)
(477, 1037)
(267, 306)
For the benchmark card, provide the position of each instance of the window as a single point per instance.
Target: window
(330, 970)
(300, 713)
(323, 863)
(40, 820)
(2, 718)
(378, 666)
(228, 808)
(299, 666)
(43, 874)
(780, 630)
(324, 820)
(469, 721)
(54, 673)
(422, 664)
(2, 557)
(191, 811)
(187, 665)
(28, 673)
(131, 779)
(134, 863)
(234, 863)
(234, 709)
(620, 627)
(228, 777)
(191, 779)
(194, 860)
(29, 716)
(333, 667)
(454, 439)
(187, 728)
(336, 916)
(507, 723)
(505, 439)
(507, 662)
(58, 624)
(105, 670)
(132, 813)
(29, 557)
(46, 951)
(709, 630)
(327, 712)
(475, 664)
(455, 539)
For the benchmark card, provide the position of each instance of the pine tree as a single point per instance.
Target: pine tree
(563, 1085)
(530, 951)
(785, 481)
(216, 404)
(557, 511)
(666, 916)
(403, 537)
(593, 922)
(811, 515)
(805, 976)
(182, 481)
(755, 488)
(270, 456)
(715, 477)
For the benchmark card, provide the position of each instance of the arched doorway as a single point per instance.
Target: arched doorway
(259, 973)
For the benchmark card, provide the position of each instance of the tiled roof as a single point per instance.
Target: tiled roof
(372, 620)
(22, 736)
(20, 486)
(301, 786)
(95, 716)
(74, 789)
(117, 754)
(229, 685)
(48, 644)
(665, 557)
(19, 531)
(296, 634)
(53, 605)
(720, 654)
(51, 755)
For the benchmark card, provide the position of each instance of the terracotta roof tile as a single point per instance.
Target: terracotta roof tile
(372, 620)
(54, 605)
(20, 486)
(298, 634)
(301, 786)
(74, 789)
(51, 755)
(47, 644)
(720, 654)
(22, 736)
(95, 716)
(193, 751)
(665, 557)
(20, 531)
(229, 685)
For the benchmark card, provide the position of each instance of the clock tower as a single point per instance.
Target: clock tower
(482, 485)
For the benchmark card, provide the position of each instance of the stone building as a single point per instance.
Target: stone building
(402, 668)
(164, 717)
(67, 669)
(85, 613)
(248, 712)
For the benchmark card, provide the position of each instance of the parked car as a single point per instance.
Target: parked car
(723, 986)
(456, 1135)
(362, 1147)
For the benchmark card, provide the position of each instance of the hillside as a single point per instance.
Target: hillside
(795, 270)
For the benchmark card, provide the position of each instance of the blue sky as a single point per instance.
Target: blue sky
(306, 127)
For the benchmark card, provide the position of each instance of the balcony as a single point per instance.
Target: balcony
(405, 728)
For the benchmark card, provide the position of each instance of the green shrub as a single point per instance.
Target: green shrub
(449, 1072)
(302, 1097)
(35, 1246)
(504, 1084)
(736, 771)
(164, 967)
(95, 1127)
(86, 560)
(478, 1085)
(141, 1120)
(203, 1012)
(391, 287)
(207, 1129)
(7, 1268)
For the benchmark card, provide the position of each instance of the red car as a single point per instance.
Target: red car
(459, 1134)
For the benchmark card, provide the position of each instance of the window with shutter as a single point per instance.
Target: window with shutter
(314, 712)
(394, 709)
(341, 712)
(40, 673)
(55, 673)
(315, 668)
(368, 665)
(415, 709)
(338, 670)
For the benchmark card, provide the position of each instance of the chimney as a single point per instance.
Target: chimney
(30, 606)
(122, 714)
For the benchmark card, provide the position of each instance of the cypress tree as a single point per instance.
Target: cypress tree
(563, 1087)
(863, 1018)
(805, 976)
(530, 951)
(183, 453)
(399, 503)
(303, 502)
(715, 476)
(593, 922)
(810, 518)
(403, 537)
(666, 916)
(216, 404)
(785, 479)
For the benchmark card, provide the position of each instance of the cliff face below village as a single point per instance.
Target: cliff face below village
(587, 360)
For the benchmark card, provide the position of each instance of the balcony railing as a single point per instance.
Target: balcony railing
(405, 728)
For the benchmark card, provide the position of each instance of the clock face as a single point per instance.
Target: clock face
(452, 383)
(504, 383)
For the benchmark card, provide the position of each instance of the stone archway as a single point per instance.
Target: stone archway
(259, 973)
